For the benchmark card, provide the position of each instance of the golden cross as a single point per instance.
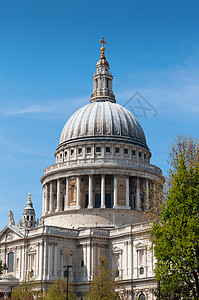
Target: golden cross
(102, 48)
(103, 42)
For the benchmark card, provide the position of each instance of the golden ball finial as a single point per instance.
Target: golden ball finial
(29, 198)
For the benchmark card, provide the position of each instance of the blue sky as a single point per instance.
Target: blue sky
(48, 53)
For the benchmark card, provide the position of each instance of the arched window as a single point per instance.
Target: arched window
(10, 262)
(142, 297)
(141, 271)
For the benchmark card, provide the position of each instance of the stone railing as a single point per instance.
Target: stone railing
(102, 162)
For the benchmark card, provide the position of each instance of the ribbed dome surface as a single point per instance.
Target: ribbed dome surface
(103, 119)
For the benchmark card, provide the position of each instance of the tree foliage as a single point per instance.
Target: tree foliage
(29, 289)
(103, 285)
(58, 291)
(2, 267)
(176, 236)
(187, 146)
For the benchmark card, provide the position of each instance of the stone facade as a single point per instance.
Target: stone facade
(94, 202)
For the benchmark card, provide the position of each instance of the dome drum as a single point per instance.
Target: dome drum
(96, 191)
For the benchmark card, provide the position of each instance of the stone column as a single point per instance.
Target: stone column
(67, 194)
(46, 198)
(127, 259)
(43, 200)
(103, 191)
(51, 197)
(92, 260)
(89, 261)
(45, 270)
(58, 208)
(20, 262)
(130, 259)
(90, 192)
(78, 192)
(49, 261)
(147, 193)
(138, 194)
(40, 262)
(84, 259)
(127, 193)
(115, 193)
(55, 261)
(37, 260)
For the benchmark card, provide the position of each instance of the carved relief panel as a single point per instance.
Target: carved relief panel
(72, 191)
(121, 190)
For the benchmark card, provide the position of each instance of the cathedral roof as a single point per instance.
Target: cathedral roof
(103, 118)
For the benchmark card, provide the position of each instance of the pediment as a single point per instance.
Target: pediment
(9, 233)
(66, 250)
(116, 250)
(140, 245)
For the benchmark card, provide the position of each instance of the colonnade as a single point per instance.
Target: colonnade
(50, 206)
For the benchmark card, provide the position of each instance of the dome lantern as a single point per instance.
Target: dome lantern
(102, 80)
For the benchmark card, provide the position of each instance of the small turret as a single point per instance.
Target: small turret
(29, 214)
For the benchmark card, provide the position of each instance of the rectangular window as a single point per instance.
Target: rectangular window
(108, 149)
(82, 263)
(72, 152)
(60, 155)
(10, 262)
(140, 154)
(65, 154)
(80, 151)
(126, 151)
(117, 150)
(133, 152)
(89, 150)
(98, 149)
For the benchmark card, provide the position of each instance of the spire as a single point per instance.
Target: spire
(102, 79)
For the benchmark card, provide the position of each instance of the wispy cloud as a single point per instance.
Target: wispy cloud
(17, 147)
(171, 91)
(53, 106)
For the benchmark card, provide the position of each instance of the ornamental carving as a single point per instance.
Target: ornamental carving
(10, 236)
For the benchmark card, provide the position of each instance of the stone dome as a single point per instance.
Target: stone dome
(103, 120)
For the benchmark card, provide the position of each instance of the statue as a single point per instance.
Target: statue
(11, 218)
(20, 223)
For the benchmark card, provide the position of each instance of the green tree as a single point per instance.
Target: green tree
(2, 267)
(176, 236)
(57, 291)
(29, 289)
(103, 285)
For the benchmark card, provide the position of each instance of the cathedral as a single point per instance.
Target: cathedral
(94, 201)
